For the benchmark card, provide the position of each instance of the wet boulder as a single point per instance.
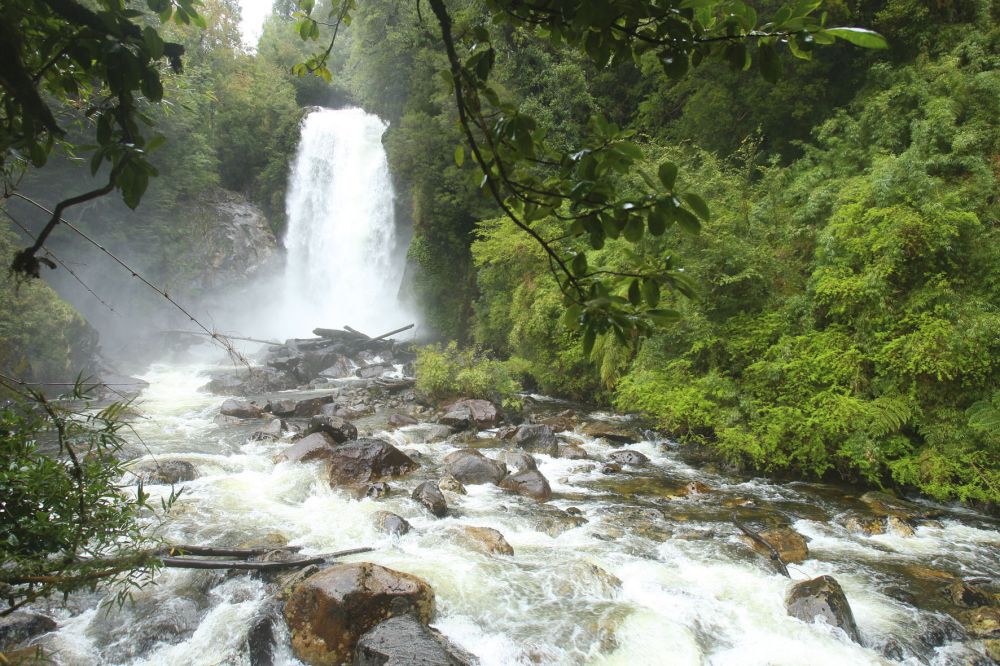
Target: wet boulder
(400, 420)
(280, 408)
(269, 432)
(372, 371)
(402, 640)
(390, 523)
(340, 366)
(536, 438)
(968, 596)
(694, 488)
(471, 467)
(21, 626)
(982, 622)
(330, 611)
(529, 483)
(573, 452)
(367, 460)
(240, 409)
(317, 446)
(450, 484)
(823, 598)
(612, 432)
(517, 460)
(377, 490)
(564, 420)
(485, 539)
(884, 504)
(865, 526)
(791, 545)
(311, 406)
(166, 472)
(339, 429)
(628, 457)
(430, 496)
(470, 413)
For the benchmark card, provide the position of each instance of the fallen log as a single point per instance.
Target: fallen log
(395, 384)
(356, 332)
(187, 563)
(386, 335)
(775, 555)
(225, 552)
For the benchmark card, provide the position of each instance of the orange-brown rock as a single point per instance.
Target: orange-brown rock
(790, 544)
(328, 612)
(486, 540)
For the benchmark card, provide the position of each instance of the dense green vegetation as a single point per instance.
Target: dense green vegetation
(845, 321)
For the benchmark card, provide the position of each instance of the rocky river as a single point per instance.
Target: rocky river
(560, 535)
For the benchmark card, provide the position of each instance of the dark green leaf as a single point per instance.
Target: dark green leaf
(459, 155)
(634, 293)
(862, 37)
(668, 174)
(663, 317)
(651, 292)
(697, 204)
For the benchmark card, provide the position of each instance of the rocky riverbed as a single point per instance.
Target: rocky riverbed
(554, 536)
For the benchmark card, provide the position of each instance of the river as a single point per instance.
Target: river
(647, 578)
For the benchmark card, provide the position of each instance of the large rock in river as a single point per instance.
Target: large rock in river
(241, 409)
(791, 545)
(339, 429)
(367, 460)
(529, 483)
(536, 438)
(330, 611)
(317, 446)
(471, 466)
(428, 494)
(822, 598)
(470, 413)
(404, 641)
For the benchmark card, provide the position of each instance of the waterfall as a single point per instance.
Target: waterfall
(343, 265)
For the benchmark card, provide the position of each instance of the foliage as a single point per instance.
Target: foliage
(445, 372)
(67, 523)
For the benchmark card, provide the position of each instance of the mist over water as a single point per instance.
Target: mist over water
(344, 265)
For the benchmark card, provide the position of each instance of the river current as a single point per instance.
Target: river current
(647, 578)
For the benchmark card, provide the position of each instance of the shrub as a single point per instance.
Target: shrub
(445, 372)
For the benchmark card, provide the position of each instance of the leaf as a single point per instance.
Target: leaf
(868, 39)
(769, 62)
(634, 293)
(589, 336)
(571, 317)
(633, 229)
(687, 221)
(657, 222)
(459, 155)
(697, 204)
(579, 264)
(651, 292)
(664, 317)
(668, 174)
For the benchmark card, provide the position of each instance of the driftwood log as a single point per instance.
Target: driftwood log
(775, 555)
(179, 557)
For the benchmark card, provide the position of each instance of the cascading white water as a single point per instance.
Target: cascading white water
(343, 263)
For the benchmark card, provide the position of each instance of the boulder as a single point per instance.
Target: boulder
(330, 611)
(564, 420)
(452, 485)
(968, 596)
(317, 446)
(21, 626)
(373, 371)
(884, 504)
(165, 472)
(269, 432)
(471, 467)
(791, 545)
(611, 468)
(240, 409)
(573, 452)
(866, 526)
(281, 407)
(519, 461)
(612, 432)
(390, 523)
(486, 540)
(259, 380)
(400, 420)
(431, 497)
(823, 598)
(470, 413)
(536, 438)
(628, 457)
(529, 483)
(312, 406)
(694, 488)
(377, 490)
(334, 426)
(898, 526)
(404, 641)
(341, 366)
(366, 460)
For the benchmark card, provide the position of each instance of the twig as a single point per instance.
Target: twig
(775, 555)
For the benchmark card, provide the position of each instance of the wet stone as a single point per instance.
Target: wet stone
(529, 483)
(166, 472)
(822, 598)
(628, 457)
(318, 446)
(390, 523)
(471, 467)
(452, 485)
(518, 460)
(536, 438)
(431, 497)
(367, 460)
(240, 409)
(486, 540)
(982, 622)
(968, 596)
(269, 432)
(405, 641)
(337, 428)
(572, 452)
(791, 545)
(21, 626)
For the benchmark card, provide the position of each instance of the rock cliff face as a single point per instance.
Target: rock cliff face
(239, 242)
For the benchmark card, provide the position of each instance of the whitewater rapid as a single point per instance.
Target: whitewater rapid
(683, 589)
